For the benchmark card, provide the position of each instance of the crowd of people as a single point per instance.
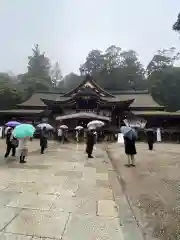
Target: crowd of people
(19, 147)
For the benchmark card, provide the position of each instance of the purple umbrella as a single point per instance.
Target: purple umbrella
(12, 124)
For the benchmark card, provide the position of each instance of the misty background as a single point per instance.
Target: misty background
(67, 30)
(124, 45)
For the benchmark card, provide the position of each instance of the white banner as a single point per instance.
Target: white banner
(158, 133)
(1, 132)
(120, 138)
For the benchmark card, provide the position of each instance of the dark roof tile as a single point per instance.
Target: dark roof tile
(30, 111)
(140, 100)
(35, 99)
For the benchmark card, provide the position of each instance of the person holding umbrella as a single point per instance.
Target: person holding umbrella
(11, 143)
(43, 140)
(60, 134)
(23, 149)
(23, 132)
(130, 137)
(64, 129)
(78, 132)
(90, 142)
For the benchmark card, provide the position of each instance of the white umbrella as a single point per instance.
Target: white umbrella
(46, 125)
(78, 128)
(94, 124)
(63, 127)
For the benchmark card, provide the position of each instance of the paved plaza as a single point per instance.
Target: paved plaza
(152, 189)
(60, 194)
(64, 195)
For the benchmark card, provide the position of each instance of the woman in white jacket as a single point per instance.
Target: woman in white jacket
(23, 149)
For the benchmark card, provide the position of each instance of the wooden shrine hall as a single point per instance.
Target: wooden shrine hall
(88, 101)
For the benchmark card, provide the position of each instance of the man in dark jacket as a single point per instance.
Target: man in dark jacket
(10, 144)
(90, 143)
(43, 139)
(150, 138)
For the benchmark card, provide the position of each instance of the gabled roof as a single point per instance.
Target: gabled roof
(141, 100)
(21, 111)
(87, 91)
(137, 99)
(35, 99)
(90, 83)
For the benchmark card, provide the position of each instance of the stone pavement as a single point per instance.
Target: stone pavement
(60, 195)
(152, 188)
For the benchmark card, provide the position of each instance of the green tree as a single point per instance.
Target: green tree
(5, 79)
(132, 71)
(56, 75)
(176, 26)
(161, 65)
(165, 87)
(112, 57)
(71, 81)
(115, 69)
(9, 94)
(94, 63)
(38, 64)
(162, 59)
(33, 84)
(38, 76)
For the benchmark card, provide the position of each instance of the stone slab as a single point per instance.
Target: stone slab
(96, 193)
(21, 187)
(102, 176)
(39, 223)
(103, 183)
(70, 174)
(33, 201)
(10, 236)
(107, 208)
(40, 238)
(56, 187)
(75, 205)
(6, 197)
(7, 215)
(5, 185)
(87, 227)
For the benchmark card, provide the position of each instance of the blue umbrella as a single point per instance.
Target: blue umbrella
(23, 131)
(12, 124)
(128, 132)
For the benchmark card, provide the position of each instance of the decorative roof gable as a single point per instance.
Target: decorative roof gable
(90, 84)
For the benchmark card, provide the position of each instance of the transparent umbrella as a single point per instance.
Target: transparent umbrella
(78, 128)
(63, 127)
(46, 125)
(94, 124)
(128, 132)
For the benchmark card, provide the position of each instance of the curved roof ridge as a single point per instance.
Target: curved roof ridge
(88, 78)
(130, 92)
(51, 92)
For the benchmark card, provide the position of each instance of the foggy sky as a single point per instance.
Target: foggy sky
(67, 30)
